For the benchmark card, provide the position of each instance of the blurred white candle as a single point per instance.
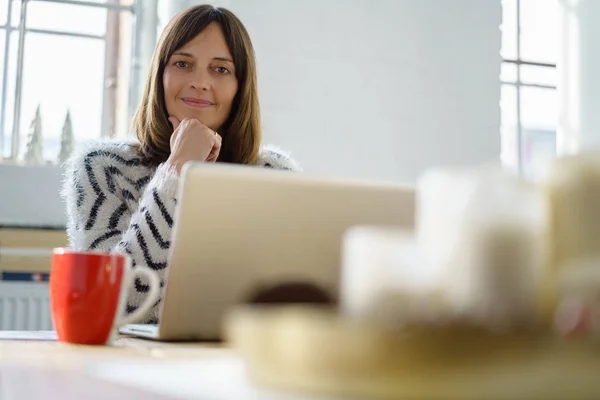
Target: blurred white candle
(485, 233)
(573, 188)
(578, 70)
(380, 268)
(479, 253)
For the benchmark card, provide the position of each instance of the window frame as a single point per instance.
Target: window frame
(22, 30)
(519, 84)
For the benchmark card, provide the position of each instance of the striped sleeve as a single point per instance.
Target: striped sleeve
(116, 204)
(275, 158)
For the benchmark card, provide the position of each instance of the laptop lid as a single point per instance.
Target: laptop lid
(239, 230)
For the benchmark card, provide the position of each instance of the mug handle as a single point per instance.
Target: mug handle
(151, 297)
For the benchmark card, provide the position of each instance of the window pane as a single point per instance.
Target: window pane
(509, 29)
(72, 80)
(3, 11)
(509, 142)
(15, 13)
(10, 92)
(121, 2)
(538, 75)
(119, 96)
(539, 148)
(66, 18)
(508, 105)
(2, 38)
(539, 108)
(508, 72)
(540, 34)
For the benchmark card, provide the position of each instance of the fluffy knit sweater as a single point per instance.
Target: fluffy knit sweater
(115, 203)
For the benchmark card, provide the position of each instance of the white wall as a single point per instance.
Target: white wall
(377, 88)
(359, 88)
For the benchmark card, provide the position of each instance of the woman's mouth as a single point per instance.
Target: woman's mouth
(196, 102)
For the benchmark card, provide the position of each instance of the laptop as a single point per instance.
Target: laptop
(241, 232)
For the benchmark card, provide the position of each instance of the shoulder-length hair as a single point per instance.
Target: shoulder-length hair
(241, 130)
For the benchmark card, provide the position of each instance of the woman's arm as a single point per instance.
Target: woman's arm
(116, 204)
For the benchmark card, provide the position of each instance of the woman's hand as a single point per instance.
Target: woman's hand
(192, 141)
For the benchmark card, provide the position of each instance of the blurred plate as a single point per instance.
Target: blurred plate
(315, 351)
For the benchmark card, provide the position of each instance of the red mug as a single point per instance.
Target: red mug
(88, 294)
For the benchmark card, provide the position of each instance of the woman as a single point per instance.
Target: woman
(200, 104)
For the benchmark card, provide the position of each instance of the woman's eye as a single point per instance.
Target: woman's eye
(181, 64)
(222, 70)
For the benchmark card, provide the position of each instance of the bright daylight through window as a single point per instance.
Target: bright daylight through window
(529, 103)
(66, 75)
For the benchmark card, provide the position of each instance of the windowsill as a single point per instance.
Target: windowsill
(34, 226)
(21, 164)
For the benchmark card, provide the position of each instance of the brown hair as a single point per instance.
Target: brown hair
(241, 131)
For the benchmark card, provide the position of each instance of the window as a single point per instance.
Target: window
(529, 103)
(59, 58)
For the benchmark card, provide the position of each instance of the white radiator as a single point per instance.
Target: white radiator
(24, 306)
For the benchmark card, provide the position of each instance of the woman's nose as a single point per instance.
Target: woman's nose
(201, 81)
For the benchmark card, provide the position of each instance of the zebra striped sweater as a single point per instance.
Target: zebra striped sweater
(116, 203)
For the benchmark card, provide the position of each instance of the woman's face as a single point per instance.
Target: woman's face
(199, 79)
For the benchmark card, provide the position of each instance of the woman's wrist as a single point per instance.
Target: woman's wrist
(174, 164)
